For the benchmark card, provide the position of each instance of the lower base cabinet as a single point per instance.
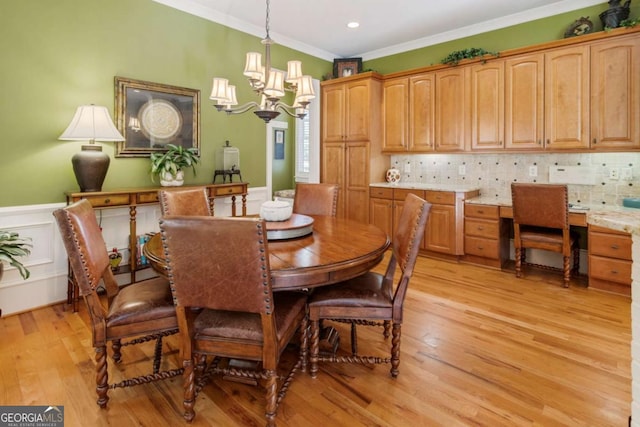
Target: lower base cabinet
(609, 260)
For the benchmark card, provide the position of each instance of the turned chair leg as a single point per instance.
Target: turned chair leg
(116, 345)
(566, 270)
(518, 259)
(102, 377)
(354, 339)
(395, 349)
(304, 344)
(271, 386)
(189, 386)
(315, 348)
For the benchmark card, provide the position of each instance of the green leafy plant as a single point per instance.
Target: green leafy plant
(175, 159)
(13, 246)
(630, 22)
(456, 56)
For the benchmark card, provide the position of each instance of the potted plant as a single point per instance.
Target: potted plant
(11, 247)
(169, 165)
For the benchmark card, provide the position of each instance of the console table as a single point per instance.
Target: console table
(134, 197)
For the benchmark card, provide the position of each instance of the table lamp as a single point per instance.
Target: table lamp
(92, 123)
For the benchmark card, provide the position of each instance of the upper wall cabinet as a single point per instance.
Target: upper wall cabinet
(615, 95)
(524, 102)
(567, 98)
(451, 109)
(409, 114)
(346, 111)
(487, 105)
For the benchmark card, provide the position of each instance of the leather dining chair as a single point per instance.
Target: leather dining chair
(141, 311)
(184, 201)
(541, 221)
(316, 199)
(239, 317)
(371, 298)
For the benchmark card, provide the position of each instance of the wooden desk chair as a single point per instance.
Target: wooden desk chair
(371, 297)
(316, 199)
(184, 201)
(142, 309)
(241, 317)
(541, 221)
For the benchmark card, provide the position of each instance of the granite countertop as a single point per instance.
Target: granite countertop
(457, 188)
(621, 219)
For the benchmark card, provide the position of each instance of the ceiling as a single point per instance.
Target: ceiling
(318, 27)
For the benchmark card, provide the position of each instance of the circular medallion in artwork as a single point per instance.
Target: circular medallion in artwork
(160, 120)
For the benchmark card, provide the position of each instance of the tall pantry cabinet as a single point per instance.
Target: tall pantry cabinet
(351, 135)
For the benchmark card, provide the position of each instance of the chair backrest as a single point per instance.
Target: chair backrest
(405, 247)
(218, 263)
(87, 252)
(316, 199)
(541, 205)
(184, 201)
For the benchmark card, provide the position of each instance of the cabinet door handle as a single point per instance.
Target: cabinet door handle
(480, 211)
(480, 228)
(614, 271)
(548, 142)
(615, 247)
(539, 142)
(595, 141)
(107, 200)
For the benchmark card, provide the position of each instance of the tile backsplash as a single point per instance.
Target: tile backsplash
(493, 173)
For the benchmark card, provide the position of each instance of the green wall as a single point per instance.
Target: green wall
(57, 55)
(526, 34)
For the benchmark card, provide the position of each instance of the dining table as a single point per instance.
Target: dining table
(333, 250)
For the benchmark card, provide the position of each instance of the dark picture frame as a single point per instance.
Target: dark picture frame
(278, 144)
(345, 67)
(152, 115)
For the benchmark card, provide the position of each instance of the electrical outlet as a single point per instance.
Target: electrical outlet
(626, 174)
(462, 170)
(407, 168)
(533, 170)
(614, 174)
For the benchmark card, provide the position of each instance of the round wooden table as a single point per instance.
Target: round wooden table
(336, 250)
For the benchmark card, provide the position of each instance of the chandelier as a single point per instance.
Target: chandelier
(269, 84)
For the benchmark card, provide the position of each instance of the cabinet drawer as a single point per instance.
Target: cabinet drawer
(614, 270)
(226, 191)
(482, 211)
(151, 197)
(381, 192)
(440, 197)
(401, 193)
(108, 200)
(610, 245)
(486, 248)
(481, 228)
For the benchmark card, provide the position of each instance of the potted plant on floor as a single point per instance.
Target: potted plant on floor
(169, 165)
(13, 246)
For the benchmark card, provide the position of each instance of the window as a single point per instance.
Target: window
(307, 167)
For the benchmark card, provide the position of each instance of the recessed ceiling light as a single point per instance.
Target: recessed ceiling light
(353, 24)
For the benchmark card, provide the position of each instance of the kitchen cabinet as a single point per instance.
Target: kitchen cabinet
(524, 102)
(609, 260)
(487, 105)
(451, 106)
(615, 94)
(486, 239)
(351, 139)
(381, 209)
(409, 114)
(567, 98)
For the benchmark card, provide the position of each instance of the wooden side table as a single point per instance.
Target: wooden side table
(134, 197)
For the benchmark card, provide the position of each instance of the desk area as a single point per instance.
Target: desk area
(488, 230)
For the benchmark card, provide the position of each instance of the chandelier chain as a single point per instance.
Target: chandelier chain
(267, 19)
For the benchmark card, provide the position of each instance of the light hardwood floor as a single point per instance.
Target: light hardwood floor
(479, 348)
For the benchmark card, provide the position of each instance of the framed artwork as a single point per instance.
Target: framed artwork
(152, 115)
(346, 67)
(278, 144)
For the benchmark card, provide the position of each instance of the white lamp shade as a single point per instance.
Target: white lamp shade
(275, 85)
(294, 71)
(231, 96)
(91, 122)
(253, 66)
(219, 90)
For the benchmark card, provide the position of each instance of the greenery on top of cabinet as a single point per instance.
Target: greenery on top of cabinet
(458, 55)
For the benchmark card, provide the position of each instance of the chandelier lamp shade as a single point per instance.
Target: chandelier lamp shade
(91, 123)
(269, 84)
